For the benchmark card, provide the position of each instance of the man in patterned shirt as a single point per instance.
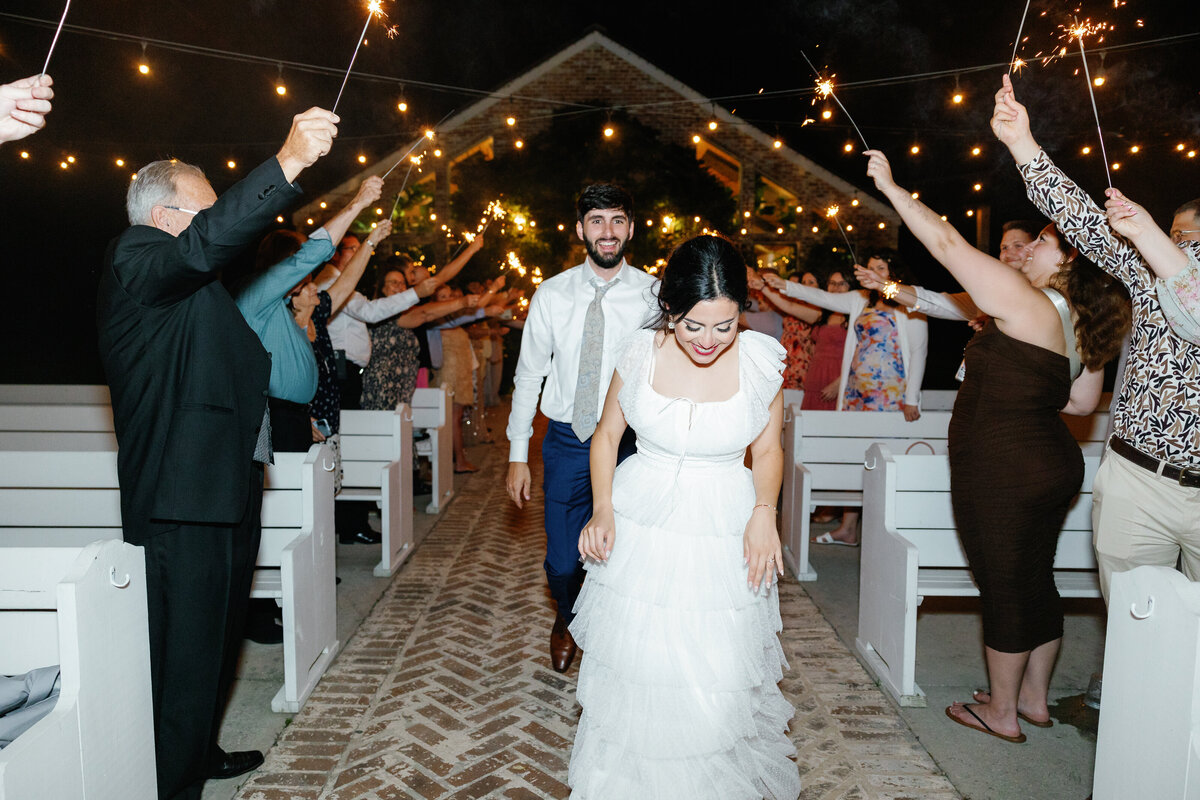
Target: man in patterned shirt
(1146, 490)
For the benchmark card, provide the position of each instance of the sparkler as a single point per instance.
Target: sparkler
(54, 41)
(494, 211)
(374, 8)
(1015, 63)
(832, 212)
(825, 90)
(1079, 31)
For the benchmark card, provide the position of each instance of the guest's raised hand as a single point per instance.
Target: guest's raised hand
(598, 536)
(310, 137)
(427, 287)
(380, 232)
(471, 300)
(1125, 216)
(1010, 119)
(368, 192)
(867, 278)
(24, 105)
(761, 548)
(494, 310)
(979, 323)
(879, 169)
(775, 281)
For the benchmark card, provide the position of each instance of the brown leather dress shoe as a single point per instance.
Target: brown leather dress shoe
(562, 646)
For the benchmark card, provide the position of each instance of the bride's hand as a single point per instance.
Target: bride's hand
(761, 548)
(597, 537)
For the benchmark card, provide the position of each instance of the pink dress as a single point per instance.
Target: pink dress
(825, 366)
(797, 340)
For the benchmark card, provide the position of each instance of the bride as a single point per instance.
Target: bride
(677, 620)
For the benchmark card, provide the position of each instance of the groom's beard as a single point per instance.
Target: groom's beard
(600, 259)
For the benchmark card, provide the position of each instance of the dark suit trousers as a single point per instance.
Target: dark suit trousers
(198, 583)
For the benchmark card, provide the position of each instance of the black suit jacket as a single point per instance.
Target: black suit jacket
(187, 374)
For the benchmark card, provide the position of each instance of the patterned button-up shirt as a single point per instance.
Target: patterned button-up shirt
(1157, 409)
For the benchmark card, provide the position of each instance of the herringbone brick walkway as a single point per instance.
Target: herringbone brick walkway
(446, 691)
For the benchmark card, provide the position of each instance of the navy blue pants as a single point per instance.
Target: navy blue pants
(567, 485)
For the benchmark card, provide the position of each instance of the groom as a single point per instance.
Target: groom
(577, 321)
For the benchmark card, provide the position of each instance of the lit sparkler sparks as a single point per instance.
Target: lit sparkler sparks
(832, 212)
(513, 262)
(374, 9)
(825, 90)
(54, 41)
(1079, 31)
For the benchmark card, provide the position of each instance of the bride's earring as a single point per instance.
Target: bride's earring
(670, 326)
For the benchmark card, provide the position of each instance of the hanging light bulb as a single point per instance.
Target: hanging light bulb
(280, 88)
(143, 65)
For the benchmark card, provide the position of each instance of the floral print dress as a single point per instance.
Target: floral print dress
(876, 380)
(798, 341)
(391, 375)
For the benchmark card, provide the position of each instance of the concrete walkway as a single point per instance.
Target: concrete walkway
(445, 690)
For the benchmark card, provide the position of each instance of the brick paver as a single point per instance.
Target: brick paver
(446, 691)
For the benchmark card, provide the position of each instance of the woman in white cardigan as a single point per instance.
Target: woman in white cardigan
(880, 329)
(911, 330)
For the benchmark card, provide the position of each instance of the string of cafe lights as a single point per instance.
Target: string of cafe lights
(563, 108)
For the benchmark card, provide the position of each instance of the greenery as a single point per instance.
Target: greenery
(541, 181)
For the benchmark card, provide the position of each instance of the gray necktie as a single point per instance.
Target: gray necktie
(591, 353)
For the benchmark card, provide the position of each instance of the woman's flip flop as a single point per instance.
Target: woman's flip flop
(1018, 739)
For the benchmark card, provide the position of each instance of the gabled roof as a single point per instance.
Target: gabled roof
(513, 90)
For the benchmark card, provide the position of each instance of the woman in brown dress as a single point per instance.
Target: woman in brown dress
(1014, 466)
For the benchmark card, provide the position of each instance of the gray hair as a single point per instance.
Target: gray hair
(155, 186)
(1190, 207)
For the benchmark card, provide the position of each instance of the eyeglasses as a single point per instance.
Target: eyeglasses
(1179, 236)
(184, 210)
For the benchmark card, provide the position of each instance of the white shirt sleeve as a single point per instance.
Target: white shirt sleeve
(918, 349)
(842, 302)
(533, 365)
(372, 311)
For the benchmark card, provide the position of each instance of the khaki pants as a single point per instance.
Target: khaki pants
(1141, 518)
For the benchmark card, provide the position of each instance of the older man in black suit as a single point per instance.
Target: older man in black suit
(189, 393)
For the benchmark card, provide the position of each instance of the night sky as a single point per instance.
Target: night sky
(55, 223)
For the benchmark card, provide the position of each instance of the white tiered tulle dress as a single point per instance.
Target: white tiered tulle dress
(681, 660)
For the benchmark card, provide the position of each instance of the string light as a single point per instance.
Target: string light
(63, 164)
(854, 202)
(379, 212)
(848, 147)
(1116, 165)
(308, 221)
(1191, 154)
(608, 132)
(71, 159)
(978, 187)
(916, 195)
(1135, 149)
(402, 107)
(437, 153)
(815, 229)
(519, 144)
(970, 212)
(24, 154)
(279, 219)
(712, 125)
(511, 121)
(826, 114)
(1180, 147)
(144, 68)
(561, 226)
(915, 149)
(120, 162)
(231, 164)
(1086, 150)
(777, 144)
(324, 204)
(882, 225)
(362, 159)
(280, 89)
(976, 150)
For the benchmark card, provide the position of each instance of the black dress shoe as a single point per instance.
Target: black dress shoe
(230, 765)
(562, 646)
(361, 537)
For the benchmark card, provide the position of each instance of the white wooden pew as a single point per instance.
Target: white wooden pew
(376, 449)
(54, 393)
(911, 550)
(1148, 744)
(67, 498)
(431, 410)
(823, 454)
(83, 608)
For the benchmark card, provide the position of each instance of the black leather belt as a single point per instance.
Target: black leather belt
(1184, 476)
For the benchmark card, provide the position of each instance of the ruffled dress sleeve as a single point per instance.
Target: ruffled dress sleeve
(1179, 296)
(763, 361)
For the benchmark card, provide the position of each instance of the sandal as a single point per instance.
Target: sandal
(826, 538)
(1048, 723)
(1018, 739)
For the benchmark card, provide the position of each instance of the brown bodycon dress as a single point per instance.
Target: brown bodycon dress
(1014, 470)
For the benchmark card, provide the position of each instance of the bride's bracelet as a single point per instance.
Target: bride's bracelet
(762, 505)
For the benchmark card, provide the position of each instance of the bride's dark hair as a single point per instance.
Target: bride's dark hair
(702, 268)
